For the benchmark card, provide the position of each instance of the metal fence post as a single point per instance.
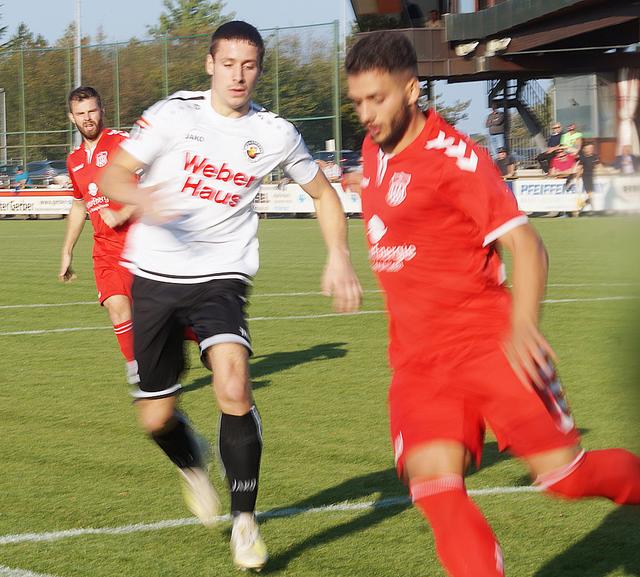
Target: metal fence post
(24, 108)
(116, 88)
(165, 64)
(276, 100)
(69, 88)
(337, 119)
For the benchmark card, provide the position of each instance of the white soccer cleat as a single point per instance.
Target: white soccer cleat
(199, 495)
(247, 547)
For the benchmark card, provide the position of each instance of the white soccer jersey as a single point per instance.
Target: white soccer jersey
(208, 169)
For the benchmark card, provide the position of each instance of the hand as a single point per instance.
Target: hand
(528, 353)
(66, 273)
(153, 208)
(112, 218)
(352, 181)
(340, 281)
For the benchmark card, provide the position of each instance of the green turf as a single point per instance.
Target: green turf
(72, 456)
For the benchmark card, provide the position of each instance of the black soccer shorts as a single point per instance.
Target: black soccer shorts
(215, 310)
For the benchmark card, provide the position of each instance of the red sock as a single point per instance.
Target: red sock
(465, 543)
(124, 334)
(189, 335)
(610, 473)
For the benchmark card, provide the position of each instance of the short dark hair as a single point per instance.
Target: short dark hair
(82, 93)
(238, 30)
(387, 50)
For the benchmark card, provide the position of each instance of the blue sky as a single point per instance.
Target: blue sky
(123, 19)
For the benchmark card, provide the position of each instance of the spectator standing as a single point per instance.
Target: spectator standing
(627, 162)
(588, 160)
(505, 163)
(572, 139)
(495, 124)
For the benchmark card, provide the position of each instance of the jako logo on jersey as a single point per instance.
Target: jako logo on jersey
(253, 149)
(92, 188)
(453, 150)
(101, 159)
(398, 188)
(376, 229)
(194, 136)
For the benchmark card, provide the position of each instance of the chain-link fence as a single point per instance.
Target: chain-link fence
(301, 82)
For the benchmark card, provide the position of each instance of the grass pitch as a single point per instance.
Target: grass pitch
(73, 457)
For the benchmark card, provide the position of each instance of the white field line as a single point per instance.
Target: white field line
(345, 506)
(298, 317)
(298, 294)
(9, 572)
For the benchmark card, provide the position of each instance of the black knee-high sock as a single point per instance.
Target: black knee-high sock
(178, 441)
(240, 443)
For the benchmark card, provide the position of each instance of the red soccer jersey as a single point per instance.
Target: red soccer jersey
(84, 169)
(433, 213)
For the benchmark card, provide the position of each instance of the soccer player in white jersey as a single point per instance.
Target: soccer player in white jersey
(194, 252)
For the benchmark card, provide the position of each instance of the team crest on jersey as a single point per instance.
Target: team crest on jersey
(398, 188)
(253, 149)
(101, 159)
(92, 188)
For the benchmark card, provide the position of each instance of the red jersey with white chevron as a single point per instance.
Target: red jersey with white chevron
(433, 213)
(84, 168)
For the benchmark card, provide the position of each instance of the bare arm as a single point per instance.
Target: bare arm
(526, 348)
(75, 224)
(117, 181)
(339, 279)
(116, 218)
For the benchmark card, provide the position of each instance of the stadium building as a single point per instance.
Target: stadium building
(589, 47)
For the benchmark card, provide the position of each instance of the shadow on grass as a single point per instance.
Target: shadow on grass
(386, 497)
(265, 365)
(614, 546)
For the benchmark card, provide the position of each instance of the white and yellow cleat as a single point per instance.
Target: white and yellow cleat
(247, 547)
(199, 495)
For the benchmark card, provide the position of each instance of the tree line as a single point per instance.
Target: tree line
(297, 82)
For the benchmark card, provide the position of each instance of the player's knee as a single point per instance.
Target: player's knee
(154, 416)
(233, 393)
(119, 309)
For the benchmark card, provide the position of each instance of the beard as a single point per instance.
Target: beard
(398, 127)
(90, 132)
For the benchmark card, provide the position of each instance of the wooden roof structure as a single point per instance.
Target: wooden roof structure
(548, 38)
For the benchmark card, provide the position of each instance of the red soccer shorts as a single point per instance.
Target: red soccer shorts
(453, 402)
(111, 277)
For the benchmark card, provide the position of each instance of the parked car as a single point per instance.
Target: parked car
(348, 158)
(7, 172)
(42, 172)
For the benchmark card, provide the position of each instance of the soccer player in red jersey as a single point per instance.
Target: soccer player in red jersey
(463, 348)
(110, 220)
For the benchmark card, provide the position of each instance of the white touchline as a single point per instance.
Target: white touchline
(9, 572)
(296, 294)
(345, 506)
(298, 317)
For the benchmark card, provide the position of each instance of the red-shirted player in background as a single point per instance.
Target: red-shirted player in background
(110, 220)
(463, 349)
